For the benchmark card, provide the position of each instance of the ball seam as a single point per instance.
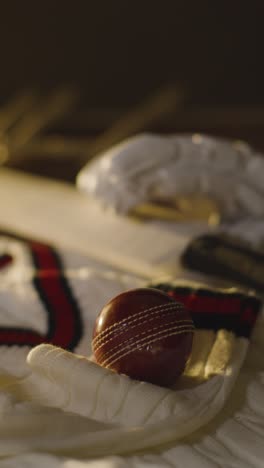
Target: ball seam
(180, 323)
(135, 318)
(145, 342)
(175, 305)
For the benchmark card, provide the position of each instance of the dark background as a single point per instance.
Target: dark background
(116, 54)
(118, 51)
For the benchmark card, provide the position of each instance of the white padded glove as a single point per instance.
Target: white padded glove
(151, 166)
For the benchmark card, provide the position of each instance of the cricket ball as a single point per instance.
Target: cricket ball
(145, 334)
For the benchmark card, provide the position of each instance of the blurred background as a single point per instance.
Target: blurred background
(79, 76)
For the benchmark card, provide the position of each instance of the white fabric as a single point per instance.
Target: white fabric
(152, 166)
(33, 434)
(56, 402)
(76, 385)
(233, 439)
(251, 230)
(54, 388)
(129, 415)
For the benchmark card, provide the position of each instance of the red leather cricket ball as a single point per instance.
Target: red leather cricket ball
(145, 334)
